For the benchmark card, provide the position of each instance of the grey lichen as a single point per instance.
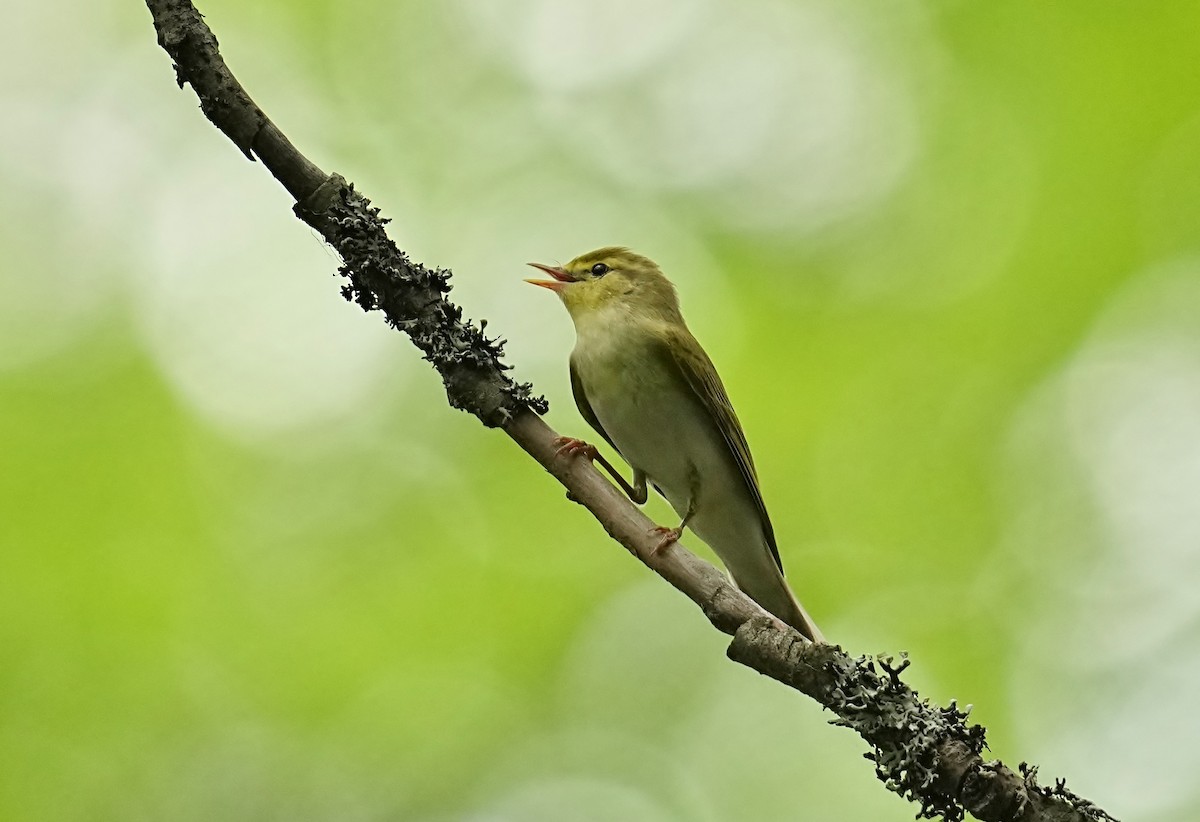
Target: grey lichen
(412, 298)
(926, 753)
(906, 733)
(1061, 795)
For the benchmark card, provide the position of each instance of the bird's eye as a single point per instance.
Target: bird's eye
(599, 270)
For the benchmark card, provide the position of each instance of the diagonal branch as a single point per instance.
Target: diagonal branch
(924, 752)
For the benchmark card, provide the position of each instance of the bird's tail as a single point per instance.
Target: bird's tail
(774, 595)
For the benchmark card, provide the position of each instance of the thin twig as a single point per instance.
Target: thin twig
(926, 753)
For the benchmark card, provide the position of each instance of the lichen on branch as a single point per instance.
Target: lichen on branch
(381, 277)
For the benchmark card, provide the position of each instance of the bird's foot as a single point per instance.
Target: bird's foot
(570, 447)
(670, 536)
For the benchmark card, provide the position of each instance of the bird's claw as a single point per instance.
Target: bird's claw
(670, 536)
(570, 447)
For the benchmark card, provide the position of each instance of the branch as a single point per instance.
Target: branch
(925, 753)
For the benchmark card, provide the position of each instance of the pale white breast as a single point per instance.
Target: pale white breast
(646, 411)
(664, 430)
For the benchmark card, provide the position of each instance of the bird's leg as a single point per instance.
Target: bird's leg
(638, 492)
(570, 446)
(671, 535)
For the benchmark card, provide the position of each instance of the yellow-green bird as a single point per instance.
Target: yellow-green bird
(644, 383)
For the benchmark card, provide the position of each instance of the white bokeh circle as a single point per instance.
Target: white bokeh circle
(240, 307)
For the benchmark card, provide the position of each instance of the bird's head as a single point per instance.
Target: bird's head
(611, 277)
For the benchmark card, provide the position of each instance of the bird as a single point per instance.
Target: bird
(644, 383)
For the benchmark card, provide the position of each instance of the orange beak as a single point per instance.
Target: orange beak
(560, 281)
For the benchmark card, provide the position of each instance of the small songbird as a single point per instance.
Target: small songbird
(643, 382)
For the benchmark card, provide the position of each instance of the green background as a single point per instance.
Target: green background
(945, 254)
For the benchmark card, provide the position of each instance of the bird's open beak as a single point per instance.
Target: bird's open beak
(561, 277)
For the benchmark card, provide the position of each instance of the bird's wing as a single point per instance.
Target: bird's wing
(585, 407)
(682, 350)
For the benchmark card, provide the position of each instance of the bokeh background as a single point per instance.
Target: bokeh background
(946, 254)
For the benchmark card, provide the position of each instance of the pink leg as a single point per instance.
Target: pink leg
(670, 536)
(569, 447)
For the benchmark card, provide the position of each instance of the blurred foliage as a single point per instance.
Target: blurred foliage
(946, 255)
